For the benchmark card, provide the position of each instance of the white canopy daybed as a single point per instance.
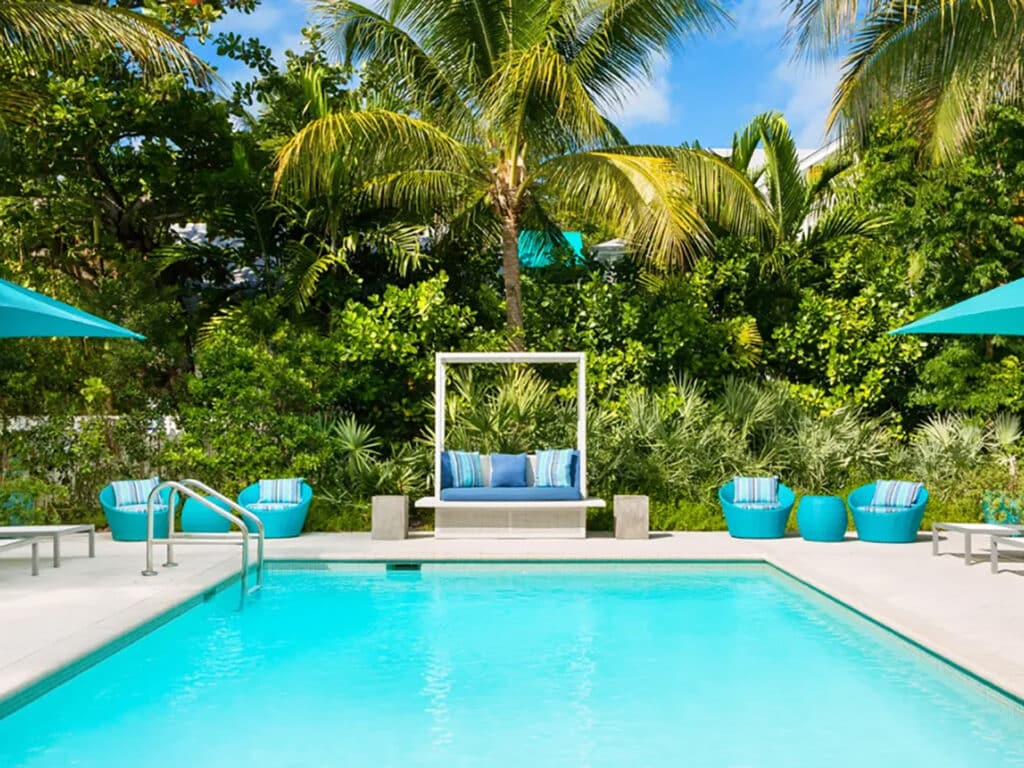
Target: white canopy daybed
(529, 512)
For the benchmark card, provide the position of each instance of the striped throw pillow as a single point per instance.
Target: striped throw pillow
(755, 490)
(467, 471)
(286, 490)
(895, 493)
(133, 492)
(554, 468)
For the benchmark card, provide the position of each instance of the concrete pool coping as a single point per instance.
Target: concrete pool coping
(56, 621)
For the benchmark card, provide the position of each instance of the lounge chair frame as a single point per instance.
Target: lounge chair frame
(973, 529)
(28, 533)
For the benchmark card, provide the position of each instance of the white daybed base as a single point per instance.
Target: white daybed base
(510, 519)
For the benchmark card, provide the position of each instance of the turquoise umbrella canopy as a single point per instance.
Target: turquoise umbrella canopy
(999, 312)
(25, 313)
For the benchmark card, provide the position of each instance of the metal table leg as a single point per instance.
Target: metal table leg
(56, 550)
(993, 555)
(968, 556)
(35, 558)
(92, 541)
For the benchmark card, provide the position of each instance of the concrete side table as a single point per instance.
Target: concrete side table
(389, 517)
(632, 520)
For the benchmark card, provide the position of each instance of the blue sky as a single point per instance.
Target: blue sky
(704, 91)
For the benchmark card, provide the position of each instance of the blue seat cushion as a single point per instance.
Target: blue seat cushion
(529, 493)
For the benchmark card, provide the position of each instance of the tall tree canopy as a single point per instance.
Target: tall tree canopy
(495, 108)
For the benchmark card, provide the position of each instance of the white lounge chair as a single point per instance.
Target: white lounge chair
(970, 529)
(14, 543)
(50, 532)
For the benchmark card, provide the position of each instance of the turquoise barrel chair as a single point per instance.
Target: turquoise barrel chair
(280, 521)
(128, 523)
(196, 517)
(896, 525)
(756, 522)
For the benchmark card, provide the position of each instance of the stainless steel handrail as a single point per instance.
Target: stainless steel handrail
(243, 513)
(184, 487)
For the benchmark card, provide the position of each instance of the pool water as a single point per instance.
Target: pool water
(529, 665)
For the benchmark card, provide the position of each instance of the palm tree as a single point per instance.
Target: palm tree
(946, 60)
(501, 106)
(801, 208)
(59, 35)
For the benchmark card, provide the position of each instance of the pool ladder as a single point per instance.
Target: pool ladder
(236, 514)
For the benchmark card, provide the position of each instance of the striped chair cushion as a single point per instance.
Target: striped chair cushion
(755, 490)
(753, 505)
(282, 491)
(467, 471)
(554, 468)
(270, 506)
(131, 492)
(894, 493)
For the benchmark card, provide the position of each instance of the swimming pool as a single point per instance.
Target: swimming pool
(519, 665)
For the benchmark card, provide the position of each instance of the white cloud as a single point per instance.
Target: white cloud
(808, 98)
(649, 103)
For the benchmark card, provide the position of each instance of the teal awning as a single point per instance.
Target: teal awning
(25, 313)
(999, 312)
(537, 249)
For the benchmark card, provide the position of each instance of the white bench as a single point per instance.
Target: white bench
(52, 532)
(15, 543)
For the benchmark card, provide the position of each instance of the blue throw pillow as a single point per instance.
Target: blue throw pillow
(895, 493)
(554, 468)
(755, 490)
(467, 471)
(508, 470)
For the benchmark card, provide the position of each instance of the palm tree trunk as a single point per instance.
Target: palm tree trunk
(513, 282)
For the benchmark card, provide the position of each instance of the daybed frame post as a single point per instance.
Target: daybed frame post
(581, 420)
(439, 416)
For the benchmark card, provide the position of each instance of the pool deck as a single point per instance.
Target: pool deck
(965, 614)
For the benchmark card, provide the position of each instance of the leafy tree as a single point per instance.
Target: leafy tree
(492, 114)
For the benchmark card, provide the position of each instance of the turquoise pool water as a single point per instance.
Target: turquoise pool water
(718, 666)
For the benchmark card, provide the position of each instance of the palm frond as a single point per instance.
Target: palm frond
(306, 163)
(534, 97)
(817, 28)
(840, 222)
(57, 34)
(391, 38)
(947, 65)
(614, 44)
(725, 192)
(644, 197)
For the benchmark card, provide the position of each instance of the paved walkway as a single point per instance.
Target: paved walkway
(964, 613)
